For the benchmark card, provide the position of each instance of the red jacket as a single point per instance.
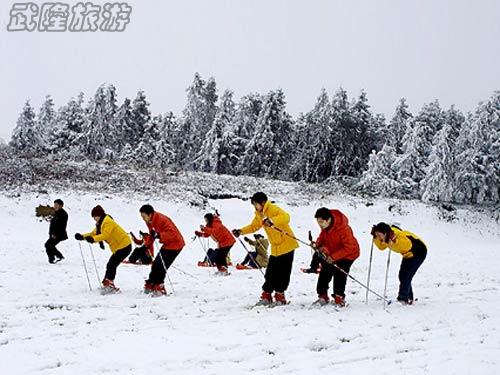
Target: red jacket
(337, 240)
(219, 233)
(170, 237)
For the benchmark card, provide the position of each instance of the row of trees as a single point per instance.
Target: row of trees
(437, 155)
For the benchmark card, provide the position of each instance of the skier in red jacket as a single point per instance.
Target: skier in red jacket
(162, 227)
(338, 249)
(222, 236)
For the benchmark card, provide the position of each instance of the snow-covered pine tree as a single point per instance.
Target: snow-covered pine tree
(70, 121)
(145, 154)
(123, 133)
(437, 184)
(216, 153)
(141, 115)
(270, 148)
(477, 179)
(362, 134)
(380, 177)
(395, 131)
(44, 125)
(245, 122)
(313, 155)
(24, 138)
(342, 135)
(100, 115)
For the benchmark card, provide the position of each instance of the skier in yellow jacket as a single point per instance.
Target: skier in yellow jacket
(118, 240)
(411, 247)
(279, 268)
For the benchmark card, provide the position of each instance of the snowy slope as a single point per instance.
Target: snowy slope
(50, 323)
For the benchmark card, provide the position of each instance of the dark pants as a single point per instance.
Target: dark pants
(409, 267)
(221, 256)
(210, 257)
(339, 278)
(315, 261)
(140, 254)
(250, 260)
(159, 267)
(115, 260)
(278, 273)
(50, 248)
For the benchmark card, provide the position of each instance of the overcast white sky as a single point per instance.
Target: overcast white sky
(420, 49)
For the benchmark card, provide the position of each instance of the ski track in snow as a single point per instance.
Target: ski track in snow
(50, 323)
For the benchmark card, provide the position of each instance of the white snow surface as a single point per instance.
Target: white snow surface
(50, 323)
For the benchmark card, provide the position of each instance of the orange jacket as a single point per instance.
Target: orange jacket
(337, 240)
(170, 237)
(219, 233)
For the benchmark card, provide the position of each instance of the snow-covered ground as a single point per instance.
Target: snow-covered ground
(50, 323)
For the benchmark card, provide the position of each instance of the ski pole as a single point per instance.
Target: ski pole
(387, 274)
(336, 266)
(166, 270)
(184, 272)
(95, 265)
(251, 257)
(369, 272)
(84, 265)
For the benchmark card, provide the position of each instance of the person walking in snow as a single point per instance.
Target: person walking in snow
(337, 249)
(107, 230)
(222, 236)
(162, 227)
(57, 232)
(275, 221)
(145, 252)
(410, 246)
(257, 258)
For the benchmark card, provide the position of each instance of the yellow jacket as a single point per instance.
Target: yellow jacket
(112, 234)
(402, 243)
(280, 243)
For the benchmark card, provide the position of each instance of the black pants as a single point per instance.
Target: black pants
(250, 260)
(315, 261)
(140, 254)
(159, 267)
(339, 278)
(115, 260)
(221, 256)
(409, 267)
(278, 273)
(50, 248)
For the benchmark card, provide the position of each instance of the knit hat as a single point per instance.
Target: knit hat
(97, 211)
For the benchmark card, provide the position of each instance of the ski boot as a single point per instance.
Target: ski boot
(148, 287)
(279, 299)
(222, 271)
(339, 301)
(322, 300)
(159, 290)
(266, 299)
(108, 287)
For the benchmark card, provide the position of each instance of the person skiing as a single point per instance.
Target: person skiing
(275, 221)
(222, 236)
(412, 249)
(57, 232)
(145, 252)
(257, 258)
(162, 227)
(337, 249)
(107, 230)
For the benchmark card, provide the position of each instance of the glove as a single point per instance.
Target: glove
(236, 232)
(198, 233)
(267, 222)
(89, 239)
(78, 237)
(246, 239)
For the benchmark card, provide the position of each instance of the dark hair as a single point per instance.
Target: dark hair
(59, 202)
(209, 217)
(147, 209)
(323, 213)
(97, 211)
(382, 227)
(259, 197)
